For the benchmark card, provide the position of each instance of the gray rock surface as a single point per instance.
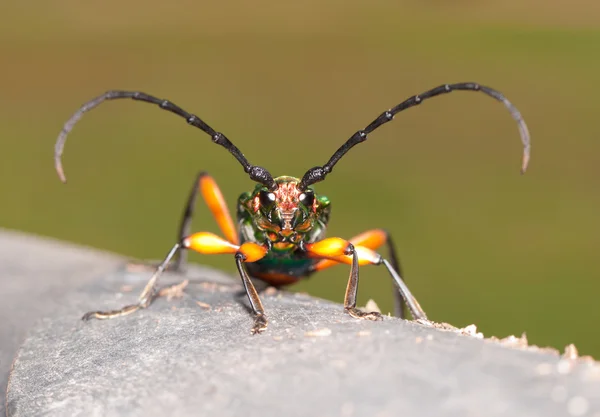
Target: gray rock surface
(36, 275)
(194, 355)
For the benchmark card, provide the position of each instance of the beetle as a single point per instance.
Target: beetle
(279, 237)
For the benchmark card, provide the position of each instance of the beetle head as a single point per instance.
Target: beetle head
(286, 213)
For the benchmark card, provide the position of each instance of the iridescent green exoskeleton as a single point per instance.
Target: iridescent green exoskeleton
(279, 237)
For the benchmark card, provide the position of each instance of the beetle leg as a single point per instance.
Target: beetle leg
(216, 203)
(205, 243)
(374, 239)
(146, 297)
(260, 318)
(209, 243)
(352, 291)
(337, 248)
(367, 256)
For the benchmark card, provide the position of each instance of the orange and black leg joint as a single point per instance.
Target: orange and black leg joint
(208, 243)
(337, 248)
(374, 239)
(260, 318)
(364, 245)
(213, 197)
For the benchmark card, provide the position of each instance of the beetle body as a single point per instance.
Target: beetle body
(286, 219)
(279, 236)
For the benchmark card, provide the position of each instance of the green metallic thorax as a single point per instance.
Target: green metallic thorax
(282, 223)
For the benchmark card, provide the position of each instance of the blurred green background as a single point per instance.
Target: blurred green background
(288, 82)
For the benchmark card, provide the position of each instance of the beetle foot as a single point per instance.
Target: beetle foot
(104, 315)
(364, 315)
(260, 324)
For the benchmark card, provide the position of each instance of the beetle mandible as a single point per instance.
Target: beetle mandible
(281, 224)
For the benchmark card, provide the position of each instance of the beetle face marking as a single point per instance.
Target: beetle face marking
(286, 197)
(286, 211)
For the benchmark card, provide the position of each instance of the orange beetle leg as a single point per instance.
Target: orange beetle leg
(216, 203)
(328, 248)
(209, 244)
(253, 251)
(371, 239)
(366, 256)
(205, 184)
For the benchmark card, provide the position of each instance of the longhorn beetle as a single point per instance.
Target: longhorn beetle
(281, 224)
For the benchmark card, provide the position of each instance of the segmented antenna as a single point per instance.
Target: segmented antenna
(256, 173)
(317, 174)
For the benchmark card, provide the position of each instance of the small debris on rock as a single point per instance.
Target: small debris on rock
(174, 291)
(570, 356)
(568, 360)
(271, 291)
(318, 333)
(203, 305)
(471, 330)
(371, 306)
(363, 333)
(418, 339)
(513, 341)
(570, 352)
(522, 343)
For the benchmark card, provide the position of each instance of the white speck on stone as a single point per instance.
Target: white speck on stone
(571, 352)
(471, 330)
(578, 406)
(372, 306)
(429, 337)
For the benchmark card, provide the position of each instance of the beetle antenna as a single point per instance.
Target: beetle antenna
(256, 173)
(317, 174)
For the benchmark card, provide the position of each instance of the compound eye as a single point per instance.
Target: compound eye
(266, 198)
(307, 198)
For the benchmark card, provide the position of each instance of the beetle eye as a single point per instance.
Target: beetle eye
(307, 199)
(266, 198)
